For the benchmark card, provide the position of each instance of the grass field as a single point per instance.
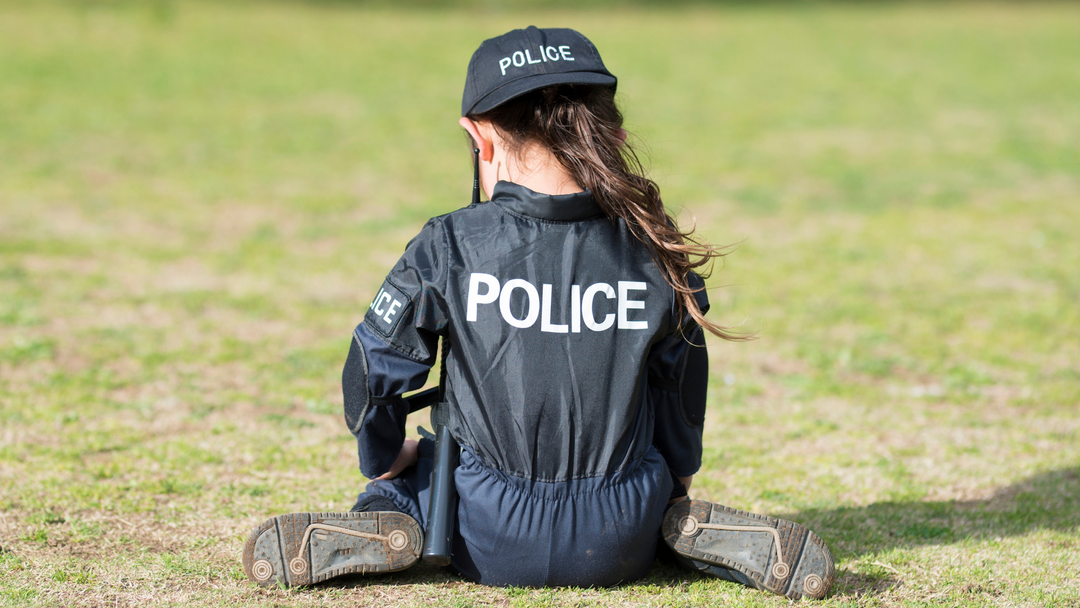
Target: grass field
(198, 200)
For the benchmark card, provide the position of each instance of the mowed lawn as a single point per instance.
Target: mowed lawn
(198, 201)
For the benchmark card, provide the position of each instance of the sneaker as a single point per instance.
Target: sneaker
(760, 551)
(308, 548)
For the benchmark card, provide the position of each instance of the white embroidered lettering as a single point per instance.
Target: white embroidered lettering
(524, 57)
(575, 306)
(545, 318)
(391, 311)
(486, 289)
(587, 307)
(625, 304)
(475, 299)
(379, 300)
(533, 309)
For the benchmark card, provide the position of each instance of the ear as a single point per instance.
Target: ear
(621, 134)
(481, 136)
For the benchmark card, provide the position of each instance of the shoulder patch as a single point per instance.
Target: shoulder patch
(387, 309)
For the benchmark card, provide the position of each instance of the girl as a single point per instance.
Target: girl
(576, 371)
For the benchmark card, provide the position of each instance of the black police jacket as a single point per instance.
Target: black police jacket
(569, 353)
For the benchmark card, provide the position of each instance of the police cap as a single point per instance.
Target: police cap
(520, 61)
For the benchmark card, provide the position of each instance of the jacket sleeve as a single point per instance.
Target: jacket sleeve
(393, 350)
(678, 377)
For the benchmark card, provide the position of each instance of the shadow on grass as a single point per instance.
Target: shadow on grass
(1044, 501)
(420, 574)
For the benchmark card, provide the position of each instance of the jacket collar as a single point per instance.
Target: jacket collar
(554, 208)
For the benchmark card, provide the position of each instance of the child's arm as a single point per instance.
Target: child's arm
(392, 352)
(678, 381)
(406, 458)
(372, 382)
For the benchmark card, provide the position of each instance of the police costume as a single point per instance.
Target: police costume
(576, 387)
(575, 390)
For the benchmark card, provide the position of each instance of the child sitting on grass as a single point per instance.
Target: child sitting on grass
(576, 374)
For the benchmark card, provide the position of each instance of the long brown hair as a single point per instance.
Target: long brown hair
(582, 127)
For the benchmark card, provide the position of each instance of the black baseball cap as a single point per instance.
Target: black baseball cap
(525, 60)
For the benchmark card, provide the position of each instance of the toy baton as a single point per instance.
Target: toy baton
(443, 505)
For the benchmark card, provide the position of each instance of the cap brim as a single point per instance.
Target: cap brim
(521, 86)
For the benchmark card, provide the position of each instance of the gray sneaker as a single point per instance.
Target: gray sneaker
(308, 548)
(770, 554)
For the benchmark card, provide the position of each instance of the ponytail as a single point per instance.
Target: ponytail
(582, 127)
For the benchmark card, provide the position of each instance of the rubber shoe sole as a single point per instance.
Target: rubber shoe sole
(307, 548)
(776, 555)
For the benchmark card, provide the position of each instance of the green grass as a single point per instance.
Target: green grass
(197, 201)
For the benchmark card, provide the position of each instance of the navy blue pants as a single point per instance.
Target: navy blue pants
(597, 531)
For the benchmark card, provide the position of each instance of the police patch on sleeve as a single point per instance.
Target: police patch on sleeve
(387, 309)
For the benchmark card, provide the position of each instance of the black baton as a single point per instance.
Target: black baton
(443, 504)
(418, 401)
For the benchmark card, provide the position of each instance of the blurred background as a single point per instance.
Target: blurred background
(199, 199)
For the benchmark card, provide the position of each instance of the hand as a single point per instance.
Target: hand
(405, 459)
(685, 481)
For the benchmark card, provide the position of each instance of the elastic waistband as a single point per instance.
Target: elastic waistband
(651, 464)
